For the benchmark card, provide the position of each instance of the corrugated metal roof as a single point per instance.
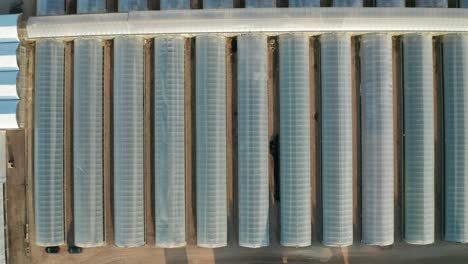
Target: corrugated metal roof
(8, 102)
(8, 28)
(8, 71)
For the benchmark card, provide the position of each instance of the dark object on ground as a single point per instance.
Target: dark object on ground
(52, 250)
(74, 250)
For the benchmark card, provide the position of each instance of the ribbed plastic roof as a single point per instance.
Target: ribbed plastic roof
(248, 20)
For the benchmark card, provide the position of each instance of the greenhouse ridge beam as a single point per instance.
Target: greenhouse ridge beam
(360, 20)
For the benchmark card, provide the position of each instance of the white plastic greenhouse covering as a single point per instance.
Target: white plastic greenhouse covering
(218, 4)
(91, 6)
(252, 20)
(295, 206)
(347, 3)
(252, 94)
(390, 3)
(211, 141)
(337, 132)
(431, 3)
(129, 213)
(128, 5)
(170, 141)
(50, 7)
(175, 4)
(49, 143)
(377, 139)
(88, 138)
(170, 136)
(455, 63)
(304, 3)
(419, 139)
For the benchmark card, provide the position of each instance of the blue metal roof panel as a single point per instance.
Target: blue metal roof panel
(8, 114)
(8, 85)
(8, 56)
(8, 28)
(8, 71)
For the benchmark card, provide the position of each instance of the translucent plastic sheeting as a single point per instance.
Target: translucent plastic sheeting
(390, 3)
(48, 147)
(129, 5)
(347, 3)
(129, 212)
(250, 20)
(252, 94)
(175, 4)
(304, 3)
(88, 140)
(455, 63)
(50, 7)
(295, 212)
(377, 139)
(91, 6)
(209, 4)
(419, 139)
(337, 139)
(260, 3)
(211, 141)
(170, 141)
(431, 3)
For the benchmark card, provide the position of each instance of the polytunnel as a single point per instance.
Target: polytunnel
(337, 153)
(377, 139)
(294, 115)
